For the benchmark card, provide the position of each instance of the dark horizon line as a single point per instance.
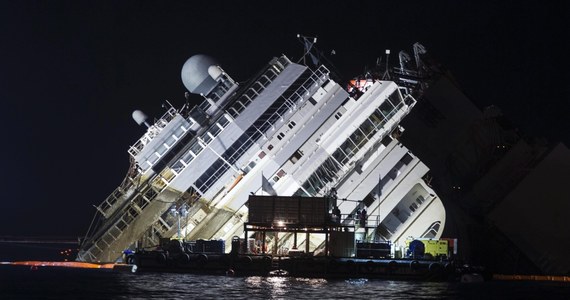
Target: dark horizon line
(39, 240)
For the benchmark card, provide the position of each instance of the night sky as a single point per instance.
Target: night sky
(72, 72)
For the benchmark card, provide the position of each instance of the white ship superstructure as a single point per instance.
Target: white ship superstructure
(291, 130)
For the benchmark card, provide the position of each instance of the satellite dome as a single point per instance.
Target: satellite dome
(140, 117)
(215, 71)
(195, 75)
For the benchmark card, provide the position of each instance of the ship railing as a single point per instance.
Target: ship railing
(106, 240)
(402, 110)
(106, 208)
(86, 256)
(282, 62)
(131, 212)
(303, 92)
(108, 234)
(239, 105)
(133, 209)
(391, 123)
(256, 87)
(354, 220)
(225, 83)
(252, 92)
(319, 76)
(90, 254)
(153, 131)
(111, 203)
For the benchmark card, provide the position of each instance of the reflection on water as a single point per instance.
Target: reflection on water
(359, 281)
(66, 284)
(278, 286)
(283, 287)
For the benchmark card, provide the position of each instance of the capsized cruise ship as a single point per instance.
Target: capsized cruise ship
(290, 131)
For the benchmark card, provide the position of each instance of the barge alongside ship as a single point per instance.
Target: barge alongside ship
(341, 257)
(317, 267)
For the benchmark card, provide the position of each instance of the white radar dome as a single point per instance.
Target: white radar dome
(140, 117)
(195, 75)
(215, 72)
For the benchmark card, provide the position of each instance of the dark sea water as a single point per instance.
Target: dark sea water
(23, 283)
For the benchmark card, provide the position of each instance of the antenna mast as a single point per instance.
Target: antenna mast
(308, 43)
(386, 75)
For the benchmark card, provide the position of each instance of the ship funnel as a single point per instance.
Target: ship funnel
(140, 118)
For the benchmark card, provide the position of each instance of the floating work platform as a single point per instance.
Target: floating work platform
(319, 245)
(296, 266)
